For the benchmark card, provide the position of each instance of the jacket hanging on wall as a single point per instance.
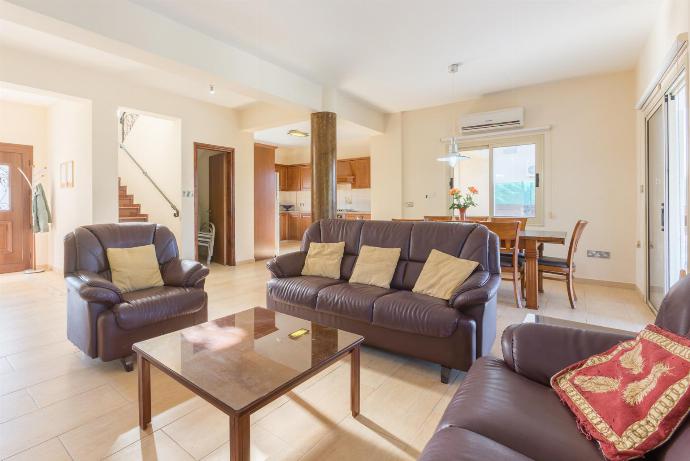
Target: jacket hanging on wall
(39, 210)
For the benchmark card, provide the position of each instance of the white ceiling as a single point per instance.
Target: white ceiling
(24, 38)
(347, 132)
(11, 94)
(394, 53)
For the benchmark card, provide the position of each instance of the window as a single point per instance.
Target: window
(507, 174)
(4, 187)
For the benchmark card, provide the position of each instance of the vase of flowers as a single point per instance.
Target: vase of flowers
(459, 202)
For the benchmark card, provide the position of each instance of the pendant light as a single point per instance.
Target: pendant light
(453, 155)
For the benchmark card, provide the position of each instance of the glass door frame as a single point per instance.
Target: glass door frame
(676, 76)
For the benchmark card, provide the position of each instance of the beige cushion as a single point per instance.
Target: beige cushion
(442, 274)
(375, 266)
(323, 259)
(134, 268)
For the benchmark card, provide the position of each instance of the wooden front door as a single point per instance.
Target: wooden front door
(16, 243)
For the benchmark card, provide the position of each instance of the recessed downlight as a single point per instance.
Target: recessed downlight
(298, 133)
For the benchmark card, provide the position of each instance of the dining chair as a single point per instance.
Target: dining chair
(438, 218)
(406, 219)
(477, 219)
(509, 235)
(522, 221)
(563, 267)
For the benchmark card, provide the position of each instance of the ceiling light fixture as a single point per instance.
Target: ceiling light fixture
(453, 155)
(212, 88)
(298, 133)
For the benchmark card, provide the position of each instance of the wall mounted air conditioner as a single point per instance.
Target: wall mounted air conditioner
(495, 120)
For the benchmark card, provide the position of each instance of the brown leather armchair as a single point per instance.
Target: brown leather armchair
(104, 322)
(506, 409)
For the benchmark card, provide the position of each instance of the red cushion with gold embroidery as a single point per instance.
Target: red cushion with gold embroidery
(631, 398)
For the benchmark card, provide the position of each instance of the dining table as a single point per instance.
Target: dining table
(529, 241)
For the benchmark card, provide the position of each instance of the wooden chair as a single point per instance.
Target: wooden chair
(438, 218)
(563, 267)
(406, 219)
(509, 236)
(477, 219)
(522, 221)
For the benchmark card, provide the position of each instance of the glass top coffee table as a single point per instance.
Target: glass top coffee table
(242, 362)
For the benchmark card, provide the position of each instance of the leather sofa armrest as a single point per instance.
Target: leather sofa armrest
(94, 288)
(287, 265)
(183, 273)
(539, 351)
(479, 288)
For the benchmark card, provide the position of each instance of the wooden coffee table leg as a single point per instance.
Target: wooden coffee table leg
(144, 375)
(239, 437)
(354, 381)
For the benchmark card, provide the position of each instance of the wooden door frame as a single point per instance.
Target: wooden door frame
(229, 152)
(26, 152)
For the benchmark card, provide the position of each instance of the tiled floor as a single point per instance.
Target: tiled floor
(56, 404)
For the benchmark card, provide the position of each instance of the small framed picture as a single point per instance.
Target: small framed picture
(67, 174)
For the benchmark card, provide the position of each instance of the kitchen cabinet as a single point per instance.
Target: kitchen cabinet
(284, 226)
(343, 171)
(355, 171)
(305, 177)
(293, 226)
(304, 223)
(361, 170)
(282, 176)
(293, 179)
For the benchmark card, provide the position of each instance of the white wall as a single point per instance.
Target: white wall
(200, 122)
(28, 124)
(70, 139)
(386, 171)
(589, 165)
(155, 143)
(673, 19)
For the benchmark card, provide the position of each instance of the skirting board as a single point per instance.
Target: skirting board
(606, 283)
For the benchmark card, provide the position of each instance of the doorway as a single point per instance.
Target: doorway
(214, 201)
(667, 191)
(16, 239)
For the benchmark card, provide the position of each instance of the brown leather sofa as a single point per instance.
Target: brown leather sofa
(104, 322)
(506, 409)
(451, 333)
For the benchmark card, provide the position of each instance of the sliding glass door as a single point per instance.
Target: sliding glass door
(667, 179)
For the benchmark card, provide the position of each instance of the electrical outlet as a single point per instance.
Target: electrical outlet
(599, 254)
(409, 204)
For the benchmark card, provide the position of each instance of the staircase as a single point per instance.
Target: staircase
(128, 210)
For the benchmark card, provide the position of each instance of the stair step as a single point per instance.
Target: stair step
(130, 210)
(126, 201)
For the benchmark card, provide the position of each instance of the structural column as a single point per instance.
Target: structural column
(323, 161)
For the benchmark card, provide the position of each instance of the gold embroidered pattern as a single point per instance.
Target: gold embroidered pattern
(636, 391)
(597, 384)
(671, 346)
(633, 360)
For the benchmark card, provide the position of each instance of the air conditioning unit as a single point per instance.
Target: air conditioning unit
(495, 120)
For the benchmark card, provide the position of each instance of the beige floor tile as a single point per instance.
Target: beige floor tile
(264, 446)
(41, 354)
(117, 429)
(25, 377)
(201, 431)
(45, 423)
(15, 404)
(360, 439)
(71, 384)
(155, 447)
(52, 450)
